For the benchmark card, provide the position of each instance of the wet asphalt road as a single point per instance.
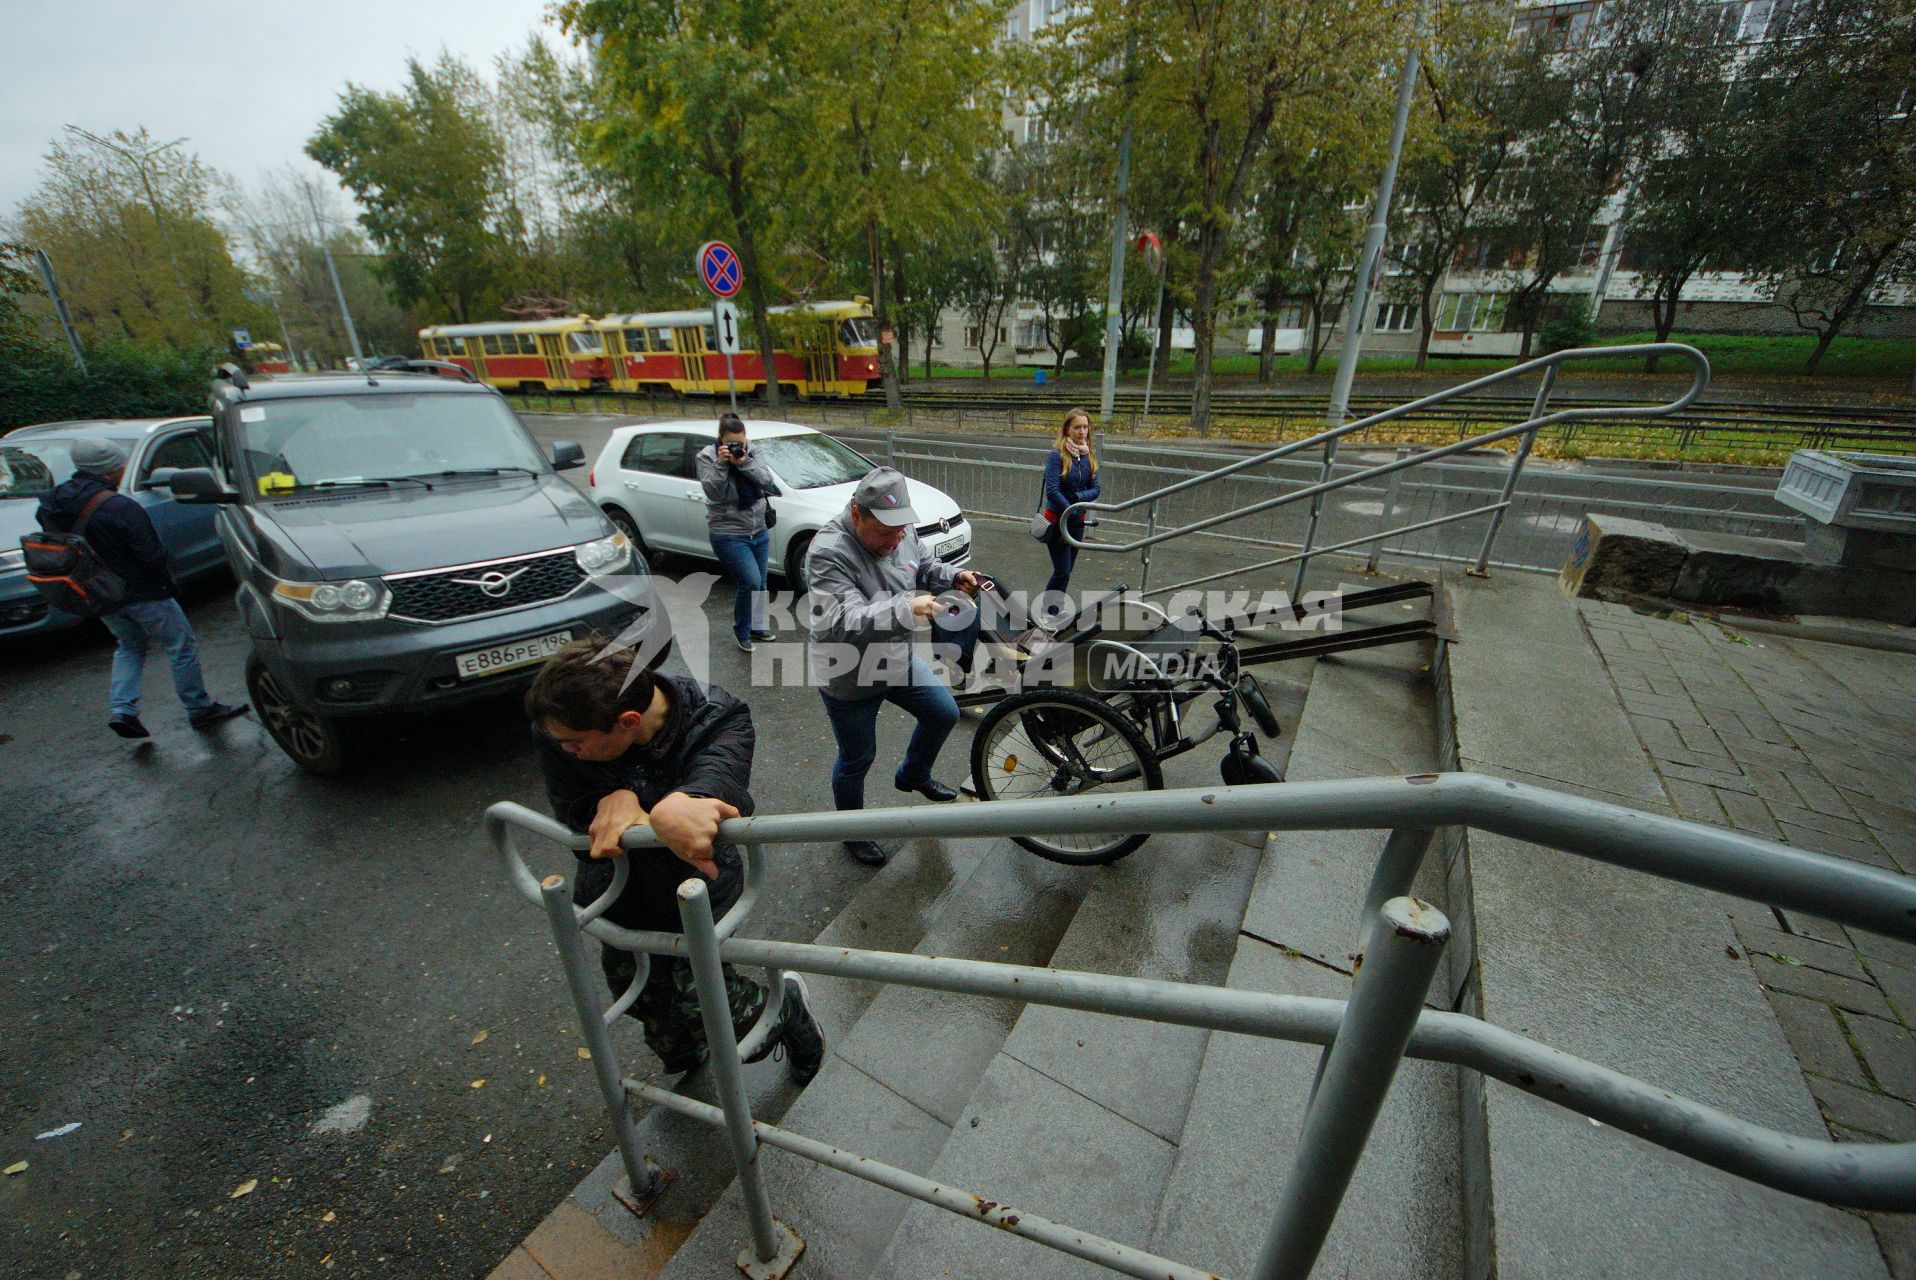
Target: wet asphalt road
(209, 957)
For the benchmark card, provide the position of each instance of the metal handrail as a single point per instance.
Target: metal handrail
(1366, 1037)
(1547, 366)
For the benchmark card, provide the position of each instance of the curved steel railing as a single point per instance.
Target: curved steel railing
(1383, 1021)
(1548, 366)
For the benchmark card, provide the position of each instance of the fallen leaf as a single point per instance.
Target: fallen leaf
(542, 1080)
(61, 1132)
(244, 1189)
(480, 1083)
(481, 1037)
(329, 1216)
(585, 1055)
(19, 1166)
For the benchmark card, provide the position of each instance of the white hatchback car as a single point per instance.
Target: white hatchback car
(646, 483)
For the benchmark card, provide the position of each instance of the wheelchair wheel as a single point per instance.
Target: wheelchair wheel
(1061, 743)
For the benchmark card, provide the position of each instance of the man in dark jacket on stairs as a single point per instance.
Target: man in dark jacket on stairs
(122, 535)
(619, 746)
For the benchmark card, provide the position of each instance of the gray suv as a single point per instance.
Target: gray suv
(402, 545)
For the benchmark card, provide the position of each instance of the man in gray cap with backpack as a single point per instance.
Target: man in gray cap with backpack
(136, 593)
(871, 587)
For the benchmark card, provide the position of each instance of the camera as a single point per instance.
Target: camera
(736, 449)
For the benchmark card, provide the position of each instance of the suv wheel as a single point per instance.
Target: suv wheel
(318, 744)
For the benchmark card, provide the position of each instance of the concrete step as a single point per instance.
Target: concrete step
(1370, 713)
(893, 912)
(898, 1078)
(1079, 1115)
(1625, 969)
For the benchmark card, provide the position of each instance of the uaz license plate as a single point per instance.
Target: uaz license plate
(505, 657)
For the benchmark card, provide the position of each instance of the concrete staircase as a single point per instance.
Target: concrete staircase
(1165, 1138)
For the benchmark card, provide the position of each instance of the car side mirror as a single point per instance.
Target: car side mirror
(199, 484)
(567, 454)
(160, 478)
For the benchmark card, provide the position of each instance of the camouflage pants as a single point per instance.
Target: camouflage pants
(668, 1006)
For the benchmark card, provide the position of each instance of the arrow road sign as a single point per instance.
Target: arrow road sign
(725, 325)
(720, 268)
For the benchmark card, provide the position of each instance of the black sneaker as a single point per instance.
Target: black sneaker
(128, 727)
(764, 633)
(743, 642)
(218, 713)
(801, 1041)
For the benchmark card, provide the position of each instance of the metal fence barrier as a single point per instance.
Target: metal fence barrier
(1365, 1038)
(1524, 433)
(1543, 520)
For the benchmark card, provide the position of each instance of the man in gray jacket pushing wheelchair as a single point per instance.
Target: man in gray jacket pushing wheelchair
(873, 587)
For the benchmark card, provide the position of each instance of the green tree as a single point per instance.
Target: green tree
(1463, 138)
(901, 98)
(1695, 194)
(428, 168)
(141, 254)
(602, 235)
(1234, 70)
(1836, 162)
(698, 96)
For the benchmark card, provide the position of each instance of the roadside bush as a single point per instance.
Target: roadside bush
(40, 383)
(1570, 324)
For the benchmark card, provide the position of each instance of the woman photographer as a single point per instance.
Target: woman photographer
(737, 482)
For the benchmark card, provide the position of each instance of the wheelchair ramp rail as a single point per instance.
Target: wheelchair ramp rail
(1525, 433)
(1365, 1038)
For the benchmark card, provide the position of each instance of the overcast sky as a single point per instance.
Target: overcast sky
(247, 84)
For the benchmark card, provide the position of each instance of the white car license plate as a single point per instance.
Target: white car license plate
(952, 550)
(505, 657)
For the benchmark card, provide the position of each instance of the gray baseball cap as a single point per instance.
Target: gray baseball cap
(101, 457)
(882, 492)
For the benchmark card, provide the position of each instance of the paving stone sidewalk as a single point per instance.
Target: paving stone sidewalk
(1808, 743)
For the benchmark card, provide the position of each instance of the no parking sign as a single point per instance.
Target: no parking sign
(720, 268)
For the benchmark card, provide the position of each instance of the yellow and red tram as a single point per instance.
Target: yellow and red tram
(825, 349)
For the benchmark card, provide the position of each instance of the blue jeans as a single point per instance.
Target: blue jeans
(134, 625)
(855, 726)
(1063, 555)
(744, 560)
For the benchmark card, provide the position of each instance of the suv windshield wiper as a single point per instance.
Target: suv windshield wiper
(473, 471)
(351, 482)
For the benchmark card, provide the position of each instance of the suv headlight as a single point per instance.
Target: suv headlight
(12, 561)
(354, 600)
(604, 555)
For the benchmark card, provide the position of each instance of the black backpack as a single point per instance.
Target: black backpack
(69, 572)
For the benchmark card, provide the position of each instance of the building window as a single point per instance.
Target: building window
(1472, 312)
(1029, 335)
(1561, 26)
(1592, 249)
(1396, 317)
(974, 338)
(938, 334)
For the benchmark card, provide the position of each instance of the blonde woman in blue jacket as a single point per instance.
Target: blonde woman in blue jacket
(1070, 476)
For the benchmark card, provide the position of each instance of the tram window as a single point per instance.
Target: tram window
(709, 338)
(635, 340)
(584, 342)
(528, 345)
(457, 344)
(490, 342)
(662, 338)
(427, 349)
(857, 332)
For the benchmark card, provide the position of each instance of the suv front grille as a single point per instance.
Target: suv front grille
(447, 595)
